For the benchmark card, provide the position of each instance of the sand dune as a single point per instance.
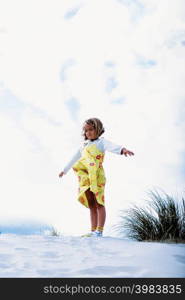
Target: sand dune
(68, 256)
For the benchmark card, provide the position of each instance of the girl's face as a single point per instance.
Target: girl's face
(90, 132)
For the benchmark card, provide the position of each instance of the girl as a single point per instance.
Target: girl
(87, 164)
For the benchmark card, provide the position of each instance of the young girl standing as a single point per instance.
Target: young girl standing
(87, 164)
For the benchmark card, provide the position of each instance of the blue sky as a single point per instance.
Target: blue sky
(121, 61)
(23, 226)
(71, 12)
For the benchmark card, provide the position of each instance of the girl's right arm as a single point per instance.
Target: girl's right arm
(75, 157)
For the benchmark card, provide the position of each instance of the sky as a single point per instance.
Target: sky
(62, 62)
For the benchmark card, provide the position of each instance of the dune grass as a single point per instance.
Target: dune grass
(55, 232)
(163, 219)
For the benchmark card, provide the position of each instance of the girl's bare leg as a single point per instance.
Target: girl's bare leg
(93, 209)
(101, 215)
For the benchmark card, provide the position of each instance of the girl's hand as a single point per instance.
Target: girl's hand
(125, 152)
(61, 174)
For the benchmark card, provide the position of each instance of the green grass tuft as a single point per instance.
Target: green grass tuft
(163, 219)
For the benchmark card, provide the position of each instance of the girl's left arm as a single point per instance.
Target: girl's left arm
(126, 151)
(114, 148)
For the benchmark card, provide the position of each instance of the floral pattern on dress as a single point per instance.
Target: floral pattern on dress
(90, 173)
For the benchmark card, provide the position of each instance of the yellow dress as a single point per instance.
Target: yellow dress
(90, 174)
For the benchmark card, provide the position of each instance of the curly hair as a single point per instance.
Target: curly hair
(97, 124)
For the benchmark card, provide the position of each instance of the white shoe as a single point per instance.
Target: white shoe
(95, 233)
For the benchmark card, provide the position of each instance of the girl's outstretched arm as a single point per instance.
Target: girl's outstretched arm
(126, 151)
(114, 148)
(75, 157)
(111, 147)
(61, 174)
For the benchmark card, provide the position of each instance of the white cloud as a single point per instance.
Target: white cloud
(47, 59)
